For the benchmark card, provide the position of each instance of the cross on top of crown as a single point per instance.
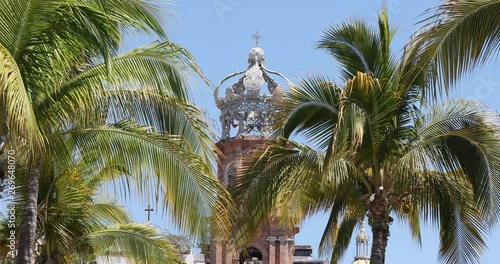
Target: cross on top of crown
(257, 36)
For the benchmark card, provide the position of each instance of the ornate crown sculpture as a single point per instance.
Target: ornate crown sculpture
(243, 106)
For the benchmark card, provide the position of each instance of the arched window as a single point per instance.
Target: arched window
(251, 256)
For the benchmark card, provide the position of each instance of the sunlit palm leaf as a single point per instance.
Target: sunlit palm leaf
(109, 213)
(143, 15)
(358, 48)
(16, 105)
(142, 243)
(449, 203)
(460, 136)
(457, 37)
(162, 67)
(271, 170)
(188, 186)
(307, 109)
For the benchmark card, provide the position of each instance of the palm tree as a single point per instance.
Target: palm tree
(66, 94)
(378, 151)
(76, 222)
(457, 37)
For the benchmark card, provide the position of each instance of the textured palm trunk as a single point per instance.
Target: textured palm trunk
(379, 221)
(380, 233)
(28, 221)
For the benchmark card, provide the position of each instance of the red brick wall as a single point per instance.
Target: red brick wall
(276, 244)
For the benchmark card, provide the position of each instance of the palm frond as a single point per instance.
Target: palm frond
(142, 243)
(20, 22)
(448, 202)
(460, 138)
(20, 120)
(310, 109)
(344, 233)
(462, 234)
(457, 37)
(359, 48)
(140, 14)
(276, 173)
(163, 166)
(106, 213)
(329, 237)
(162, 113)
(160, 66)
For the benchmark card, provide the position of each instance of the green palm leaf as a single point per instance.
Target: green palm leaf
(142, 243)
(16, 103)
(449, 136)
(188, 186)
(137, 14)
(20, 21)
(449, 202)
(457, 37)
(275, 172)
(305, 109)
(358, 48)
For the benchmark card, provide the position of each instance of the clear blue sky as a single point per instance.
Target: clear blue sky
(218, 33)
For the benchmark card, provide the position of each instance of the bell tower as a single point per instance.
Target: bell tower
(246, 115)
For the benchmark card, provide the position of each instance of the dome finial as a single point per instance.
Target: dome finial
(256, 56)
(362, 236)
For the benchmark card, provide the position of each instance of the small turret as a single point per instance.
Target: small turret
(362, 247)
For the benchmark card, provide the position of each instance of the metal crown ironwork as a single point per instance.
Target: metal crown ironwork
(244, 107)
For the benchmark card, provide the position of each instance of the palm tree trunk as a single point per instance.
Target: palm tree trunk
(379, 240)
(379, 222)
(28, 221)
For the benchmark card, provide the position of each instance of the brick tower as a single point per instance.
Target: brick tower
(249, 111)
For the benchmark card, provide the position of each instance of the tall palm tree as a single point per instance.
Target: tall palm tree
(457, 37)
(76, 222)
(378, 151)
(66, 94)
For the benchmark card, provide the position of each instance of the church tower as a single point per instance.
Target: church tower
(246, 114)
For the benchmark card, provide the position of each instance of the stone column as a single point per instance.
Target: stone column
(215, 253)
(290, 244)
(283, 250)
(272, 249)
